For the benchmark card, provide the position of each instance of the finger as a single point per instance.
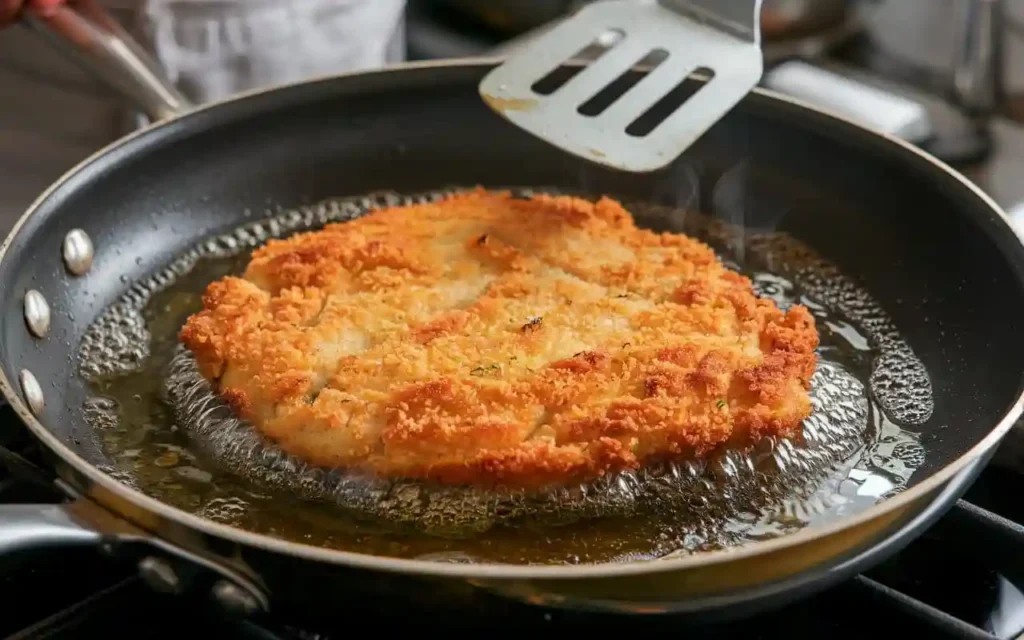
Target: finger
(44, 7)
(9, 10)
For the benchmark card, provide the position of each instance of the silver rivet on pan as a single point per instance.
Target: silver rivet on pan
(234, 600)
(33, 392)
(37, 313)
(78, 251)
(159, 575)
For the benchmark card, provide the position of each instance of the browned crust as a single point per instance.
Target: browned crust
(486, 339)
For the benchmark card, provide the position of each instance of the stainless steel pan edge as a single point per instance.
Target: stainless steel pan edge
(676, 576)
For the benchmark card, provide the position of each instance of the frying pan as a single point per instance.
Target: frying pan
(935, 251)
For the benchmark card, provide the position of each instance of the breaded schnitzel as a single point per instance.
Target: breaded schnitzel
(486, 339)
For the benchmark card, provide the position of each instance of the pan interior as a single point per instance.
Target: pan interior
(931, 252)
(167, 434)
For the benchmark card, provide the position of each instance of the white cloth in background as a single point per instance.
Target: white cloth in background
(212, 49)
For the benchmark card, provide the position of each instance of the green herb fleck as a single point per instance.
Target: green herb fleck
(532, 325)
(720, 404)
(484, 370)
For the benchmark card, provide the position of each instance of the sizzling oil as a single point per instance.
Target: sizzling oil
(127, 352)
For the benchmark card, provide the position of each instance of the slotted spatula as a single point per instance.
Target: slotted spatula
(718, 38)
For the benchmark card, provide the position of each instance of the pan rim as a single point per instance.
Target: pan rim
(493, 571)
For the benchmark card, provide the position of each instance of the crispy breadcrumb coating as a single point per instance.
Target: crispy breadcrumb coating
(486, 339)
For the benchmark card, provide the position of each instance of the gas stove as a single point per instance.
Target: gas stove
(959, 580)
(964, 578)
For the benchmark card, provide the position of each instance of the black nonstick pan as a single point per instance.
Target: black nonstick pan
(902, 246)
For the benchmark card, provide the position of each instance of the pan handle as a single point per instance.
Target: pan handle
(34, 526)
(163, 566)
(93, 38)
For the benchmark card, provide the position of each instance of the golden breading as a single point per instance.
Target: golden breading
(486, 339)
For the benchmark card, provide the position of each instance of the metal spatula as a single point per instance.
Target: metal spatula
(586, 116)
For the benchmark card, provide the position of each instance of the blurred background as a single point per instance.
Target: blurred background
(959, 62)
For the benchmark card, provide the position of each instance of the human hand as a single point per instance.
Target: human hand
(11, 9)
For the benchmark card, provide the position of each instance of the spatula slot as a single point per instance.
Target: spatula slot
(618, 87)
(558, 76)
(647, 121)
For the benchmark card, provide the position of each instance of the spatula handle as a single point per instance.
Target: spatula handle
(741, 18)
